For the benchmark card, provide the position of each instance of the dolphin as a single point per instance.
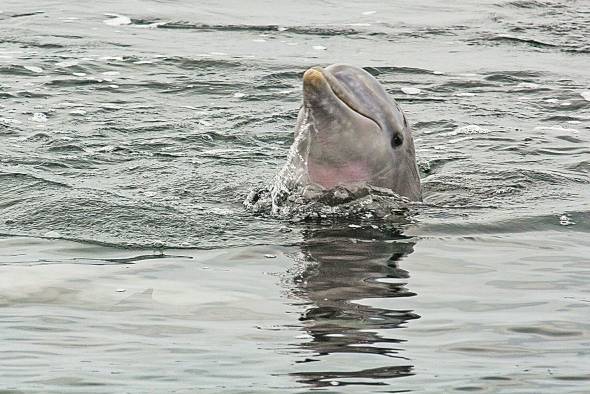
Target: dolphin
(349, 131)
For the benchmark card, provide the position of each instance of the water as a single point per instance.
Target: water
(131, 134)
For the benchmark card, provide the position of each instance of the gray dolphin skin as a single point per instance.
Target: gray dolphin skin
(356, 133)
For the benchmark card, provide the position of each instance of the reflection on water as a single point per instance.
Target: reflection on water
(343, 265)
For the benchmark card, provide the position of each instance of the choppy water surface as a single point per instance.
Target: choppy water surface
(131, 133)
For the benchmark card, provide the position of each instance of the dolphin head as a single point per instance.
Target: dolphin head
(357, 134)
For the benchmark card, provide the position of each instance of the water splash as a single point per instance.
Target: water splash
(290, 195)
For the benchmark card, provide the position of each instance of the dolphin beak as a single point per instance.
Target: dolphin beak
(314, 82)
(313, 76)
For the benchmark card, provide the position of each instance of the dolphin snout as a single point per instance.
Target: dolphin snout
(314, 82)
(313, 76)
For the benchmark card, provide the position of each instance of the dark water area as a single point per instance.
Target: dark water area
(131, 133)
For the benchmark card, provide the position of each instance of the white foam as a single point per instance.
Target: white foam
(239, 95)
(117, 20)
(113, 58)
(67, 63)
(557, 128)
(464, 94)
(34, 69)
(586, 95)
(67, 104)
(410, 90)
(319, 48)
(369, 12)
(527, 85)
(565, 220)
(39, 117)
(9, 121)
(468, 129)
(460, 139)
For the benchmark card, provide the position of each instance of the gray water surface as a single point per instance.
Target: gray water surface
(131, 133)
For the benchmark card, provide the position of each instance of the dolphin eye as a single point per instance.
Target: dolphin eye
(396, 140)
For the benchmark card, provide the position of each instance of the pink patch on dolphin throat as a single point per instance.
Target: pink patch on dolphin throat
(331, 176)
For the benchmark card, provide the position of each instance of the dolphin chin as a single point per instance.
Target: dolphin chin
(353, 132)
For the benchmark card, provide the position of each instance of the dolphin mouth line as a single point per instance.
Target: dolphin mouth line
(340, 95)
